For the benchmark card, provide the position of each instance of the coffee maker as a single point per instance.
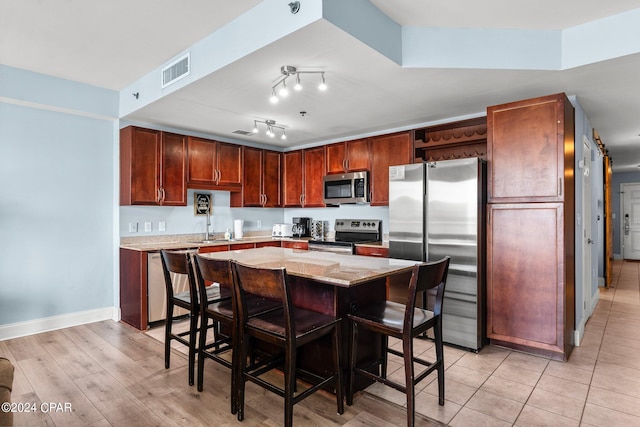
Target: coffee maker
(301, 227)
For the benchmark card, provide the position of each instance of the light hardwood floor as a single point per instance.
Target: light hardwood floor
(113, 375)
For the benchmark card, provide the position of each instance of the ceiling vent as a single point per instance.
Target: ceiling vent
(176, 70)
(243, 132)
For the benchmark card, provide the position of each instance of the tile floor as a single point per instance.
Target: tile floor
(599, 385)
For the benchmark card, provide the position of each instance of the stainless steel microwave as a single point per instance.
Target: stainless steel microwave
(350, 187)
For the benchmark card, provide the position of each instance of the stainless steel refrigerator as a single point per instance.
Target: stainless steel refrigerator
(438, 209)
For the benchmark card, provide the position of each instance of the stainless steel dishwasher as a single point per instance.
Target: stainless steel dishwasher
(156, 292)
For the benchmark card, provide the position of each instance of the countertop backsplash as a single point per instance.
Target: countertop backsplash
(179, 220)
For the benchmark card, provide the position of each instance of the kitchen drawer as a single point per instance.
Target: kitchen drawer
(370, 251)
(295, 245)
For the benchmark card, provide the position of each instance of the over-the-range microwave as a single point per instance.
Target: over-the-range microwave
(352, 187)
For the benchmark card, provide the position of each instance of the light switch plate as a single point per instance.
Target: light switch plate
(259, 223)
(147, 226)
(133, 227)
(162, 226)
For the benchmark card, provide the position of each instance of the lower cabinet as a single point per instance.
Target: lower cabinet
(530, 278)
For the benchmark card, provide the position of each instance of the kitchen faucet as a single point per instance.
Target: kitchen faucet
(206, 233)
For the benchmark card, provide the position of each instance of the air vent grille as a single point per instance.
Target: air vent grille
(243, 132)
(176, 70)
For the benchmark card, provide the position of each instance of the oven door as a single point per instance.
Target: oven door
(338, 249)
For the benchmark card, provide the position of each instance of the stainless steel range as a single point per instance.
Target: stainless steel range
(348, 232)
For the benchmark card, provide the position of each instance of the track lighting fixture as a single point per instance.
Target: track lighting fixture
(288, 71)
(270, 125)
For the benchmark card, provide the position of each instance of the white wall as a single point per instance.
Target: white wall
(56, 202)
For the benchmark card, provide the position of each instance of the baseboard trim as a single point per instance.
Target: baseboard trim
(36, 326)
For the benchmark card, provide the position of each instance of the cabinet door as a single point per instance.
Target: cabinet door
(292, 179)
(387, 150)
(525, 150)
(313, 171)
(271, 177)
(358, 155)
(527, 300)
(173, 178)
(139, 166)
(252, 177)
(336, 157)
(348, 156)
(229, 165)
(201, 160)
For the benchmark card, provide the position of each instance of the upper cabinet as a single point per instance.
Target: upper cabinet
(527, 163)
(292, 179)
(214, 165)
(152, 167)
(349, 156)
(302, 177)
(387, 150)
(262, 174)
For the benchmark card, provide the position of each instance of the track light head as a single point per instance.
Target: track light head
(323, 85)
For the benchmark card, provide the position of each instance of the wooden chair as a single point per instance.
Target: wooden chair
(288, 330)
(221, 315)
(179, 263)
(405, 322)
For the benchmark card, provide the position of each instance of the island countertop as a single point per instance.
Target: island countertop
(326, 267)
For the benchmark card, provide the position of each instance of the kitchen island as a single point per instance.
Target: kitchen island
(332, 284)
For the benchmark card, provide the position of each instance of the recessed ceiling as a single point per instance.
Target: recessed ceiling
(113, 44)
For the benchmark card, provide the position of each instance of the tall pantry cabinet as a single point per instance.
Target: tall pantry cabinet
(530, 249)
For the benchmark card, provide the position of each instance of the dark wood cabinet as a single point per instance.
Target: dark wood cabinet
(214, 165)
(292, 179)
(387, 150)
(530, 226)
(152, 167)
(313, 167)
(349, 156)
(302, 177)
(261, 179)
(526, 145)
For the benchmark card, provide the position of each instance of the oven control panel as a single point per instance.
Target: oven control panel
(370, 225)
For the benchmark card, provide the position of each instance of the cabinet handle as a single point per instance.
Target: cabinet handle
(218, 176)
(346, 162)
(265, 200)
(301, 200)
(560, 186)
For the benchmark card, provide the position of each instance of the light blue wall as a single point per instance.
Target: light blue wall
(617, 179)
(57, 197)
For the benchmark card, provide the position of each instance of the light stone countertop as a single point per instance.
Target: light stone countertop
(185, 241)
(326, 267)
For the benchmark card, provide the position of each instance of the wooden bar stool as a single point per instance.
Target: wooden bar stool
(288, 329)
(221, 314)
(405, 322)
(178, 263)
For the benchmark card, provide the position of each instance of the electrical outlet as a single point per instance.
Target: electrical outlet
(162, 226)
(147, 227)
(259, 223)
(133, 227)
